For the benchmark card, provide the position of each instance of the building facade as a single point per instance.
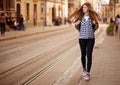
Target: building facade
(36, 12)
(118, 7)
(73, 5)
(96, 4)
(106, 12)
(44, 12)
(7, 6)
(55, 9)
(114, 8)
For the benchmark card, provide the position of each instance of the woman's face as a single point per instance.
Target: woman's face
(85, 9)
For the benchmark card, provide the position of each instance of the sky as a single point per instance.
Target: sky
(105, 1)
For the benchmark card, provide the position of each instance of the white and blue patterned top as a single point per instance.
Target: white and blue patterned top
(86, 30)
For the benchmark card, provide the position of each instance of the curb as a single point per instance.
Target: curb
(29, 34)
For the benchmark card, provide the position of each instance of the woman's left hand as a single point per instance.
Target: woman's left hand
(96, 25)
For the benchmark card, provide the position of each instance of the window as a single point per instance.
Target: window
(1, 5)
(41, 10)
(10, 5)
(27, 9)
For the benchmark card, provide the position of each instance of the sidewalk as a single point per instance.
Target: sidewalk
(106, 63)
(31, 31)
(105, 68)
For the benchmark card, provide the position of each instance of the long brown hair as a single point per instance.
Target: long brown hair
(77, 15)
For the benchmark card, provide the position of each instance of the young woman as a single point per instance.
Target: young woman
(87, 20)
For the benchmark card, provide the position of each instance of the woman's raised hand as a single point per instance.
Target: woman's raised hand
(78, 22)
(94, 22)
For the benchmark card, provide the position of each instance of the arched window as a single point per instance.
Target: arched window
(27, 10)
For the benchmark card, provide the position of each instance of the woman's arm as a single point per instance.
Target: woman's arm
(77, 25)
(95, 25)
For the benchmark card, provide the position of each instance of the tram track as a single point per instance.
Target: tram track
(41, 57)
(4, 46)
(11, 63)
(29, 58)
(46, 68)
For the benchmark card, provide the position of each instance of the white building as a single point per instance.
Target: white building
(54, 9)
(97, 5)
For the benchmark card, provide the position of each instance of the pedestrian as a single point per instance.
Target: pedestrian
(21, 22)
(2, 24)
(87, 20)
(118, 24)
(111, 20)
(65, 20)
(16, 24)
(35, 18)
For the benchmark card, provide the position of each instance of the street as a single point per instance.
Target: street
(42, 58)
(39, 42)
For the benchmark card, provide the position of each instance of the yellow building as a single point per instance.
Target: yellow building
(73, 5)
(42, 12)
(106, 13)
(7, 6)
(30, 11)
(27, 8)
(96, 4)
(118, 7)
(114, 7)
(36, 12)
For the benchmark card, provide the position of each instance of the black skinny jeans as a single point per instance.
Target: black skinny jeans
(86, 46)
